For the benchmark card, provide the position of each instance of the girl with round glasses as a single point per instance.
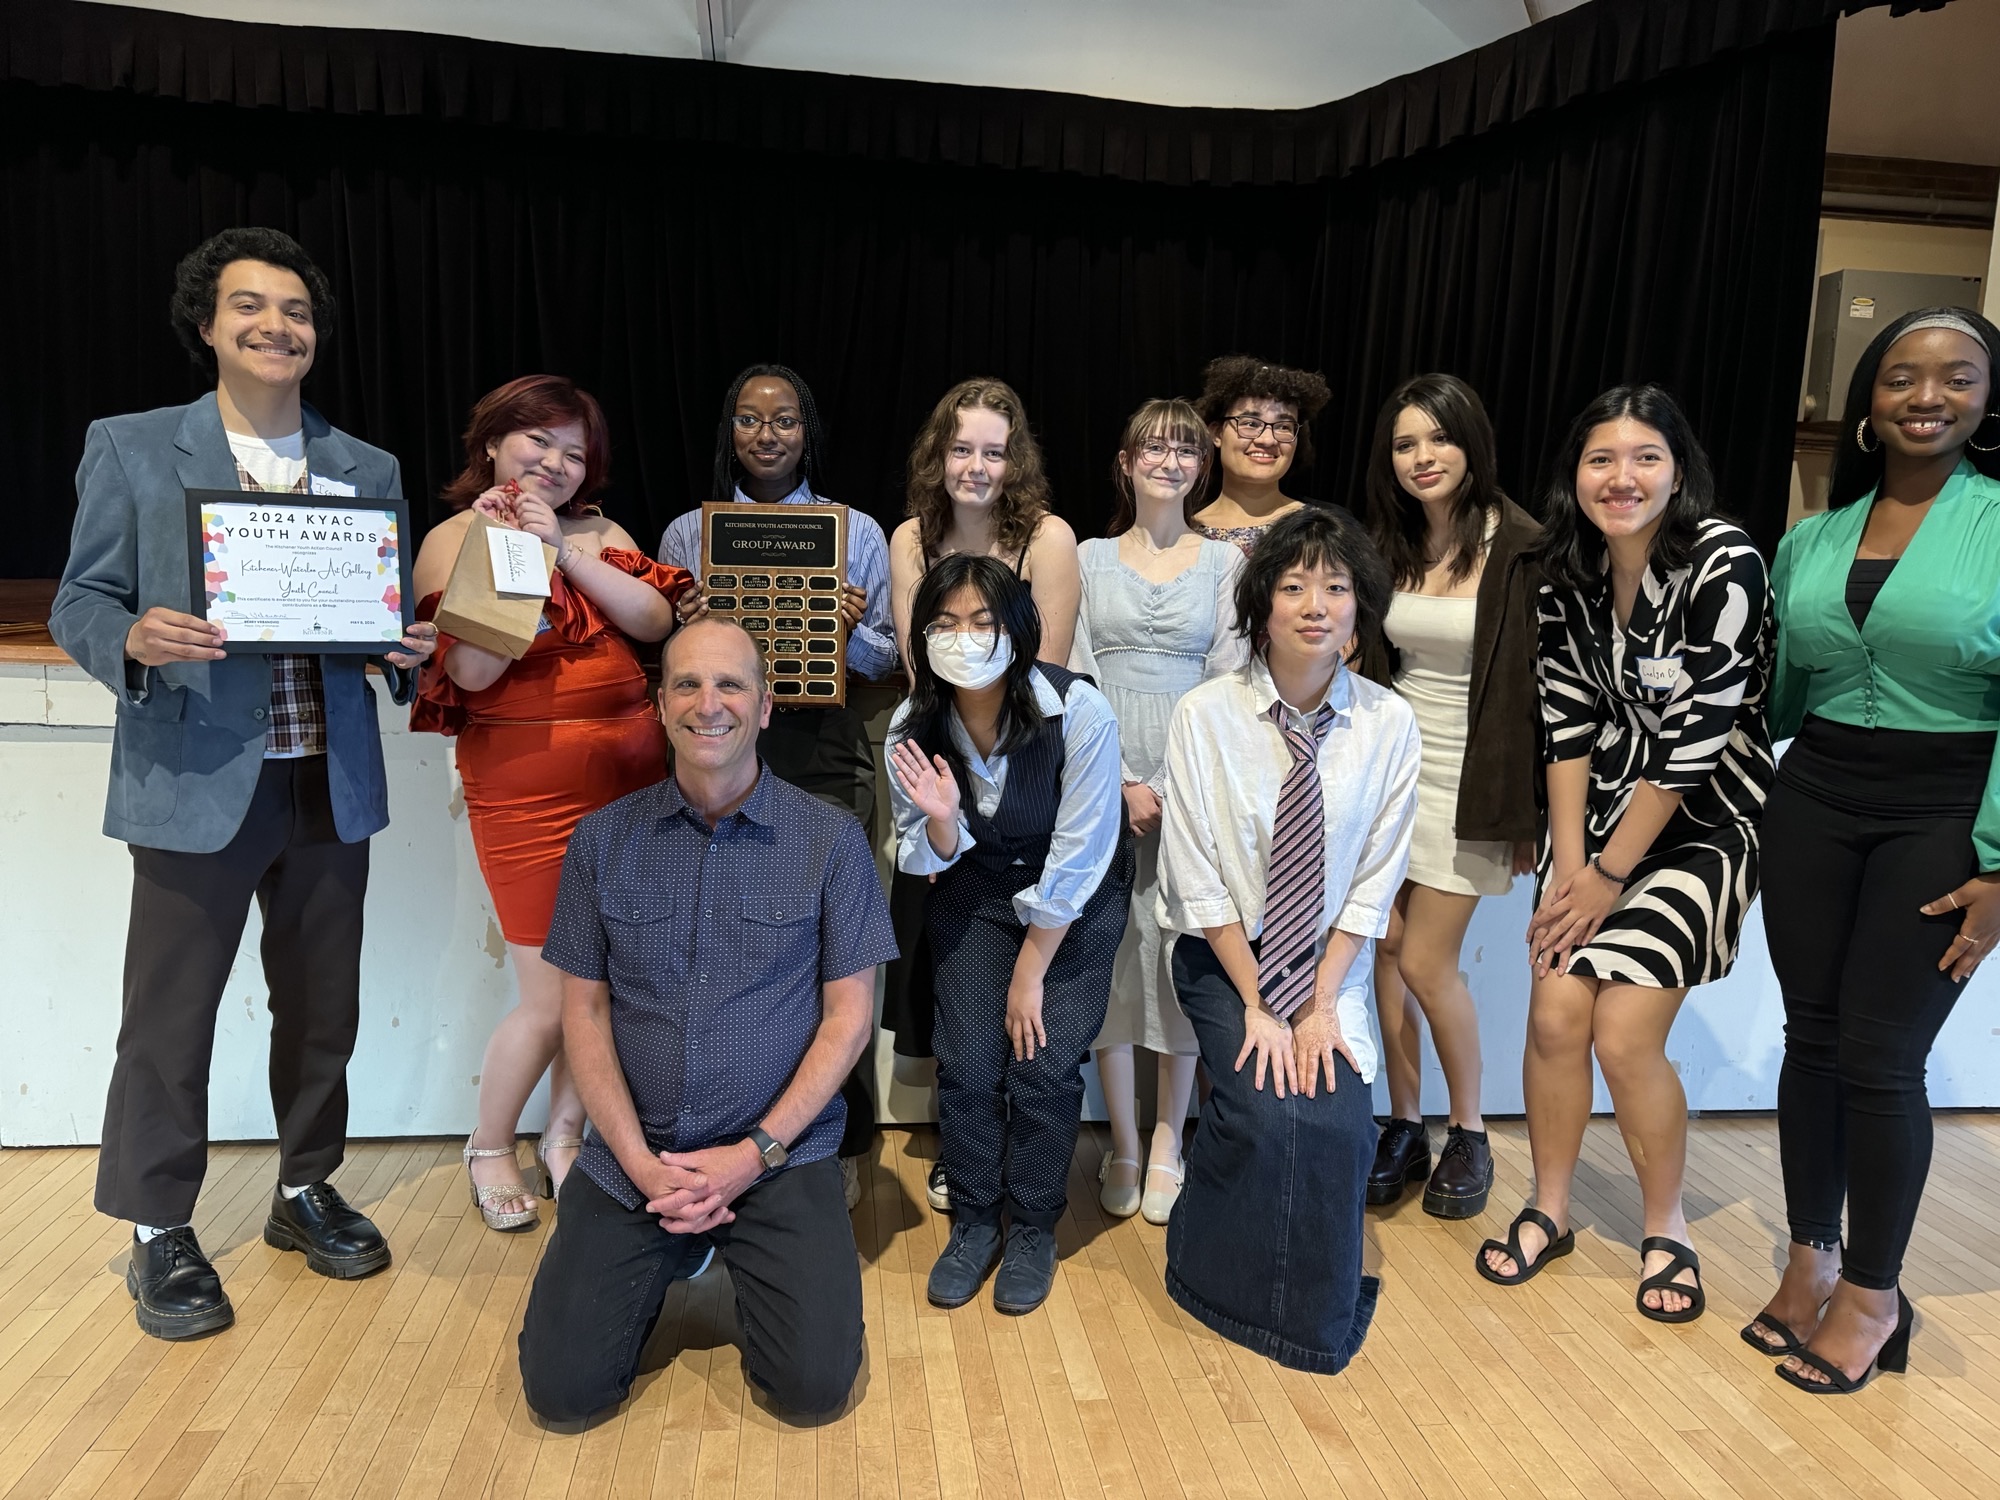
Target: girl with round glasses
(1154, 623)
(1258, 417)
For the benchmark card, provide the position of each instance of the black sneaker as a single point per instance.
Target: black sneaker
(1464, 1176)
(1403, 1154)
(937, 1190)
(175, 1291)
(969, 1254)
(1027, 1271)
(338, 1241)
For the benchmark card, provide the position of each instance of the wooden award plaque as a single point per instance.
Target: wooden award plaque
(777, 570)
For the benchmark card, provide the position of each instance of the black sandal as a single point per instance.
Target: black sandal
(1892, 1358)
(1558, 1246)
(1662, 1280)
(1748, 1333)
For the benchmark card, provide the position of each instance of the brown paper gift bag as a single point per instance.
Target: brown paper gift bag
(472, 610)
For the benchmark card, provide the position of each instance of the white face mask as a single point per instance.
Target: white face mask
(970, 659)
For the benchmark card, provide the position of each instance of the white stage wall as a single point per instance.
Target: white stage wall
(434, 978)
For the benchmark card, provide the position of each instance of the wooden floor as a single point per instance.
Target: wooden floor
(405, 1384)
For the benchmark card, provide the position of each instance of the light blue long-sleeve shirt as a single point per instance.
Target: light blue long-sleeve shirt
(871, 645)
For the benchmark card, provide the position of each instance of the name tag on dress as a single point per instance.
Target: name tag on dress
(1659, 672)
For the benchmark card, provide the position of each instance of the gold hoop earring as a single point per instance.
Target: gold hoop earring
(1991, 416)
(1861, 438)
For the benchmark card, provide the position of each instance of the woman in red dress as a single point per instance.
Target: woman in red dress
(544, 740)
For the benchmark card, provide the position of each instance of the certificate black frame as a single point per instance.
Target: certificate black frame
(198, 573)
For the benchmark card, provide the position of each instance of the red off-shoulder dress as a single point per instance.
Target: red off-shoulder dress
(567, 729)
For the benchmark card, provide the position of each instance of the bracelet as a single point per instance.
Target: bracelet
(564, 555)
(1597, 864)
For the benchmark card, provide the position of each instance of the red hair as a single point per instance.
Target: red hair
(532, 401)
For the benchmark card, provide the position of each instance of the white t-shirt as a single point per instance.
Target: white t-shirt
(275, 463)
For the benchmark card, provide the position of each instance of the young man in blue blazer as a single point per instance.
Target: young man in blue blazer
(232, 777)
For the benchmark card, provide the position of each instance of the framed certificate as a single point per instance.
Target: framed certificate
(777, 571)
(285, 572)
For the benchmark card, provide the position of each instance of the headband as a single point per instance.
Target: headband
(1954, 321)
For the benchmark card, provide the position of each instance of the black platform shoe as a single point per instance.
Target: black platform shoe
(338, 1241)
(1402, 1155)
(1464, 1176)
(175, 1291)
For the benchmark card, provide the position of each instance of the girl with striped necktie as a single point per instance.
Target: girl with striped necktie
(1290, 796)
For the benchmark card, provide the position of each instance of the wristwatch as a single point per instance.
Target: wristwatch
(768, 1148)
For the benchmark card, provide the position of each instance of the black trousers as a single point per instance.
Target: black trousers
(825, 753)
(790, 1253)
(188, 912)
(1864, 1000)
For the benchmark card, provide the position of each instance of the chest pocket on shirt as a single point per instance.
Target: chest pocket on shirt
(781, 933)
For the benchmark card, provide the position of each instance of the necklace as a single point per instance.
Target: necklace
(1145, 541)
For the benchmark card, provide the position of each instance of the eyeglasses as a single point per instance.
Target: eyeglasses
(784, 425)
(937, 630)
(1249, 426)
(1153, 453)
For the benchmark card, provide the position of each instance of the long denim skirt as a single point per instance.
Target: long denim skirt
(1264, 1245)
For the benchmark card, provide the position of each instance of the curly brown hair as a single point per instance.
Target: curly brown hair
(1234, 376)
(1024, 489)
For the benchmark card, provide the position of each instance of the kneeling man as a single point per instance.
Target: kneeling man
(718, 935)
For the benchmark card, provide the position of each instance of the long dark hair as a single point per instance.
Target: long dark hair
(1855, 471)
(812, 457)
(929, 719)
(1572, 550)
(1396, 517)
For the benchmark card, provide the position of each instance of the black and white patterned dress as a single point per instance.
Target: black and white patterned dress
(1675, 697)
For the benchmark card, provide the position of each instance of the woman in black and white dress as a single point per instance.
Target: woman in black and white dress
(1654, 660)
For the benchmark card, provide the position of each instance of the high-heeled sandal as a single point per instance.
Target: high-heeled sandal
(1792, 1342)
(1892, 1358)
(1120, 1203)
(1662, 1280)
(543, 1146)
(484, 1196)
(1158, 1207)
(1558, 1246)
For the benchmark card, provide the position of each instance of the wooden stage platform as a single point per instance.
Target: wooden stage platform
(405, 1384)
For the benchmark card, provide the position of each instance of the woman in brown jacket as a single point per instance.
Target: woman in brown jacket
(1462, 627)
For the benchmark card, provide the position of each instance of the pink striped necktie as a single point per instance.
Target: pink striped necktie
(1295, 893)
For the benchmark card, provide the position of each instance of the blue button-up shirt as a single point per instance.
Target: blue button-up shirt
(715, 943)
(871, 645)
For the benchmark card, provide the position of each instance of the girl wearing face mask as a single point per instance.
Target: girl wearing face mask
(976, 488)
(1259, 418)
(1654, 660)
(1883, 837)
(1154, 622)
(1004, 776)
(1462, 622)
(544, 740)
(1291, 787)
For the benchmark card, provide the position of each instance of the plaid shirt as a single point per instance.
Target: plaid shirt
(298, 701)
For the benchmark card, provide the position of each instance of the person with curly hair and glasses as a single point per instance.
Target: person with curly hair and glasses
(1259, 417)
(1882, 842)
(1654, 660)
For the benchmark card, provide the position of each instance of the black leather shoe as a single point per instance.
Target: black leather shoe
(1403, 1154)
(1464, 1176)
(338, 1241)
(176, 1293)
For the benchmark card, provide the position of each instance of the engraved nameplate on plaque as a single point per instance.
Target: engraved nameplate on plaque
(777, 571)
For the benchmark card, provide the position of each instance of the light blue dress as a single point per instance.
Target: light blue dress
(1145, 644)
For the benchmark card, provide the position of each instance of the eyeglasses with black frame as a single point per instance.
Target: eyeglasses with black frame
(1249, 426)
(1153, 452)
(784, 424)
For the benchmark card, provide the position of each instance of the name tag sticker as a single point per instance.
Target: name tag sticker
(1659, 673)
(518, 564)
(321, 485)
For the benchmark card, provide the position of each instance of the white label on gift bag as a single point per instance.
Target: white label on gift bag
(518, 564)
(1659, 673)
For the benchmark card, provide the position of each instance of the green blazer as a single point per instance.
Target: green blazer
(1929, 657)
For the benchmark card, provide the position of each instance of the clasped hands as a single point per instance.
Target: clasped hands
(691, 1191)
(1294, 1052)
(505, 505)
(1573, 907)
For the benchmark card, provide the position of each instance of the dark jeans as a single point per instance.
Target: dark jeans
(602, 1282)
(1864, 1000)
(825, 753)
(1265, 1241)
(188, 912)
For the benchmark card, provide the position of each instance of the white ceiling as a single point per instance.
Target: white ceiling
(1269, 54)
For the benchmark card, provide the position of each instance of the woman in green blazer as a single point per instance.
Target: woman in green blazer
(1882, 839)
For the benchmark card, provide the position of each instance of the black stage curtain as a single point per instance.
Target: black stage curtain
(1629, 191)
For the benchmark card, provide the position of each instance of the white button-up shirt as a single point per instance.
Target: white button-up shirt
(1227, 762)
